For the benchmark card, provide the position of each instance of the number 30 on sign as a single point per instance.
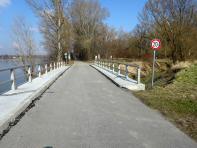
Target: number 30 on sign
(156, 44)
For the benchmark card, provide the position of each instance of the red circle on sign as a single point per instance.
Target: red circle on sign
(156, 44)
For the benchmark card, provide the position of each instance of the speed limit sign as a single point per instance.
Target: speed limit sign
(156, 44)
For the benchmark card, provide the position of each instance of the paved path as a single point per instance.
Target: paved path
(83, 109)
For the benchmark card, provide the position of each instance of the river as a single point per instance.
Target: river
(5, 83)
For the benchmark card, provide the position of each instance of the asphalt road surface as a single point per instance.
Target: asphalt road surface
(83, 109)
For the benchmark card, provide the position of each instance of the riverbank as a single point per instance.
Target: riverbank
(177, 101)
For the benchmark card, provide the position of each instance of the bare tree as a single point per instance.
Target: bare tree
(174, 21)
(86, 16)
(23, 41)
(54, 24)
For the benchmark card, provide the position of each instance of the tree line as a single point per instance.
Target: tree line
(78, 26)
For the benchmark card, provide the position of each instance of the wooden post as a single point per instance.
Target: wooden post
(13, 79)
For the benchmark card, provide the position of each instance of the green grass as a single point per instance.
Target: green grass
(188, 75)
(177, 101)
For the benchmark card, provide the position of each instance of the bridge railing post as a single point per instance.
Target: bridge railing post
(46, 68)
(119, 69)
(13, 79)
(51, 67)
(113, 68)
(39, 71)
(29, 74)
(138, 74)
(126, 71)
(54, 66)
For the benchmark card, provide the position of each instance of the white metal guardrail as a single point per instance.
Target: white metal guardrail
(115, 68)
(28, 69)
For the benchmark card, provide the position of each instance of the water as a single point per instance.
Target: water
(5, 83)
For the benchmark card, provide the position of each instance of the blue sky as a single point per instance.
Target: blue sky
(123, 15)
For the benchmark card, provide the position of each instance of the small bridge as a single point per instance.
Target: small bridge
(119, 73)
(83, 109)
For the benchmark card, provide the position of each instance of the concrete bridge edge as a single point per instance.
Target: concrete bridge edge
(21, 110)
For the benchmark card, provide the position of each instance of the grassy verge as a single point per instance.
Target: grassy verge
(177, 100)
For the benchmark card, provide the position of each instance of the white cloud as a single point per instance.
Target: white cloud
(4, 3)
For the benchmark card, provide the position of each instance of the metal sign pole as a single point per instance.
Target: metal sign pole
(153, 72)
